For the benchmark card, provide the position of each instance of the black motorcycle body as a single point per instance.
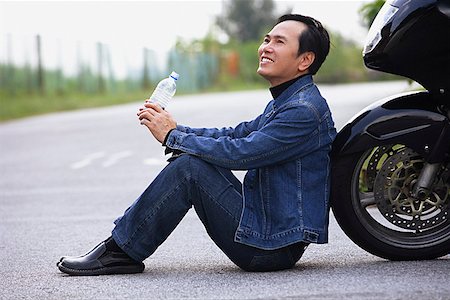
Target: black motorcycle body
(391, 162)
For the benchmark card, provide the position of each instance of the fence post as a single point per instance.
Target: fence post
(145, 76)
(40, 68)
(101, 81)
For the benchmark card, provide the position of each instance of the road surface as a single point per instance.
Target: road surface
(65, 177)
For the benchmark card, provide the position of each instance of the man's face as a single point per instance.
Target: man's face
(278, 60)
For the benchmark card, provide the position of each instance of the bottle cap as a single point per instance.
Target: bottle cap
(174, 75)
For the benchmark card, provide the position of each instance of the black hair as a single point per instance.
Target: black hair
(314, 39)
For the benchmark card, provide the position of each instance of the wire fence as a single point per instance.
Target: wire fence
(36, 65)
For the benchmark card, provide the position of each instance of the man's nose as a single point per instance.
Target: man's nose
(267, 48)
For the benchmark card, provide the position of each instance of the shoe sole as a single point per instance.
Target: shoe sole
(102, 271)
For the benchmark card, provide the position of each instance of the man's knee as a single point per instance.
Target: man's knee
(188, 161)
(191, 166)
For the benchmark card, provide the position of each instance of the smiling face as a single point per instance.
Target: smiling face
(278, 54)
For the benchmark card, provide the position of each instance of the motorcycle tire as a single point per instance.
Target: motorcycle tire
(371, 201)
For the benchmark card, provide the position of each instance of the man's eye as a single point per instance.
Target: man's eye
(266, 40)
(280, 42)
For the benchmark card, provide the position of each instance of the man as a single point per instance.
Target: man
(266, 223)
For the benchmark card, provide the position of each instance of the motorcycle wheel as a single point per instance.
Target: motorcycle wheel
(372, 203)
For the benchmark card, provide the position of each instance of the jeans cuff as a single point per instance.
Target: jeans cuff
(127, 249)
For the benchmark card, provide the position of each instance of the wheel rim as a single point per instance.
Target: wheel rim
(381, 196)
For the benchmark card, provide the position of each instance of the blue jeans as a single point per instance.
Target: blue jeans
(215, 194)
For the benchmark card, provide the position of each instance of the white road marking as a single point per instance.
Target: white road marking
(87, 160)
(114, 158)
(155, 161)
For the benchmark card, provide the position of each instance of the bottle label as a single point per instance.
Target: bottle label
(161, 97)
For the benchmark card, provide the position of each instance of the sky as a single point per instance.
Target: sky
(128, 26)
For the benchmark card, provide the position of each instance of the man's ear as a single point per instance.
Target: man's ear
(306, 60)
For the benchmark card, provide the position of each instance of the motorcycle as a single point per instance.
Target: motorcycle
(390, 189)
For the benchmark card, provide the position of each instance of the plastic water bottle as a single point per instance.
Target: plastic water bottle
(165, 90)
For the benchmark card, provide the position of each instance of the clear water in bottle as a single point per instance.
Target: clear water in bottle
(165, 90)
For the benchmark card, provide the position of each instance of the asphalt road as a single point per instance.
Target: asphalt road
(65, 177)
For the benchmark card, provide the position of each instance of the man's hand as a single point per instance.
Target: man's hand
(157, 120)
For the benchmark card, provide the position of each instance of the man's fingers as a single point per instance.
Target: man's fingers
(158, 108)
(147, 113)
(144, 120)
(147, 123)
(154, 106)
(140, 111)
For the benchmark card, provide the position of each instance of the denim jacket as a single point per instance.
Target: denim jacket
(286, 152)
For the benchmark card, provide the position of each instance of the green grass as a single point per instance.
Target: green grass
(21, 106)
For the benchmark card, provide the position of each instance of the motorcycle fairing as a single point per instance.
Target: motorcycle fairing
(412, 119)
(409, 48)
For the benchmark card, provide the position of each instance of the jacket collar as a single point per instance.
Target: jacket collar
(298, 85)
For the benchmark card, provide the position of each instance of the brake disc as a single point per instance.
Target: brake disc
(393, 187)
(378, 155)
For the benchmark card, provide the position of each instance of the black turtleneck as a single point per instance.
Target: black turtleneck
(277, 90)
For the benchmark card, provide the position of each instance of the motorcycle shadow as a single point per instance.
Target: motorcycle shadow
(373, 265)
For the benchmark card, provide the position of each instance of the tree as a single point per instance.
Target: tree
(247, 20)
(369, 11)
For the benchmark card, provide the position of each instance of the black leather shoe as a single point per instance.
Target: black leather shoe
(76, 257)
(100, 261)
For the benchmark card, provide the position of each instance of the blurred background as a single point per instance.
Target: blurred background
(60, 55)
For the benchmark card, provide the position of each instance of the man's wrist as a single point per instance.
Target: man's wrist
(167, 136)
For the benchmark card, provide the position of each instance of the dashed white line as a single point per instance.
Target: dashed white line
(114, 158)
(155, 161)
(87, 160)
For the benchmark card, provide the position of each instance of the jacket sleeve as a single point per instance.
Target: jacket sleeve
(241, 130)
(285, 135)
